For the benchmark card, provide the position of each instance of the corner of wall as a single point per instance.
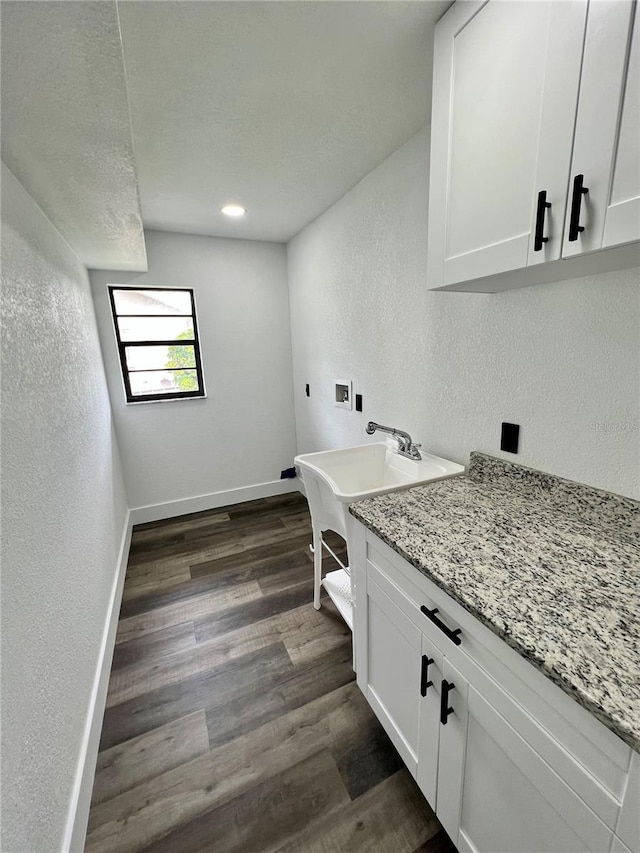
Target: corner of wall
(78, 815)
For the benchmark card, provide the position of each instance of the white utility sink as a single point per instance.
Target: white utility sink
(372, 469)
(333, 479)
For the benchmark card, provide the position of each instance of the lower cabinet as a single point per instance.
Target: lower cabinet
(393, 672)
(431, 676)
(495, 793)
(476, 754)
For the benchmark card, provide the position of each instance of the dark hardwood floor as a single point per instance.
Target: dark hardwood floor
(233, 721)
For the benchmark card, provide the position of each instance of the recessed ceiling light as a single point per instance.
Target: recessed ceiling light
(234, 210)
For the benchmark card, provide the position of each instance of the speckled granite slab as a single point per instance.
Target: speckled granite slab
(551, 566)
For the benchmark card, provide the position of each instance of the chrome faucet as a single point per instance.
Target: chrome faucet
(406, 447)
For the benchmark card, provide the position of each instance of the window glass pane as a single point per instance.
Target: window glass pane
(155, 358)
(155, 328)
(152, 301)
(163, 382)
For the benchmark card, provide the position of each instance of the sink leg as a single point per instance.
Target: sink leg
(317, 567)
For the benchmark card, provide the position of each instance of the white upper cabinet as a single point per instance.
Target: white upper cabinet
(503, 131)
(606, 155)
(509, 80)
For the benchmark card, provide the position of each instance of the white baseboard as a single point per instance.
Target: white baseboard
(199, 503)
(78, 816)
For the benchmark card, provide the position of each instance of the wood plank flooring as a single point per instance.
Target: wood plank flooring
(233, 721)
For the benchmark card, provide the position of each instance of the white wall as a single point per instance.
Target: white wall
(64, 511)
(243, 433)
(562, 360)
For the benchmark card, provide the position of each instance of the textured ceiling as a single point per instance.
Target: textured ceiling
(66, 133)
(281, 106)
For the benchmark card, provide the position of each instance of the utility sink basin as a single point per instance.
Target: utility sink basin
(362, 472)
(333, 479)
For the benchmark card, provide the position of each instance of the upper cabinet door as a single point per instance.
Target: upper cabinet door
(506, 78)
(606, 155)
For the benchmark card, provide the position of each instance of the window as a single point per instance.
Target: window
(157, 338)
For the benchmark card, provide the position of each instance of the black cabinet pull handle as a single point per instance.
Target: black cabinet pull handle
(543, 204)
(451, 634)
(424, 675)
(445, 710)
(576, 202)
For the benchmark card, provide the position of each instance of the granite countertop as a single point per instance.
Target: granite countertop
(550, 566)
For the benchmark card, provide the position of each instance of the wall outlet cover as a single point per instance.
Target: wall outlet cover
(509, 437)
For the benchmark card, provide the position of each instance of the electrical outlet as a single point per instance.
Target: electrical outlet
(509, 437)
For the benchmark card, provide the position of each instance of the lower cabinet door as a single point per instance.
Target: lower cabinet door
(452, 730)
(508, 799)
(428, 745)
(628, 828)
(393, 670)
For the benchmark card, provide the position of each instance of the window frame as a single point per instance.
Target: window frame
(122, 345)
